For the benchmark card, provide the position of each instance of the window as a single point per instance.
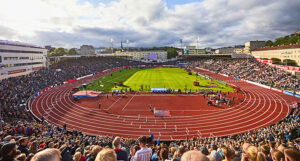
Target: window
(22, 64)
(19, 51)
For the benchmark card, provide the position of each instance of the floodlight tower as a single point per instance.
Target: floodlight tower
(112, 44)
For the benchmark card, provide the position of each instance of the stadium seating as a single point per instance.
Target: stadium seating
(24, 138)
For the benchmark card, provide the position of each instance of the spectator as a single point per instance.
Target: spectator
(227, 153)
(77, 156)
(23, 145)
(106, 154)
(47, 155)
(33, 147)
(194, 155)
(96, 149)
(8, 152)
(144, 154)
(121, 154)
(214, 155)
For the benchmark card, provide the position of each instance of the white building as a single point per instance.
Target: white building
(281, 52)
(141, 55)
(192, 50)
(87, 50)
(225, 51)
(146, 55)
(18, 58)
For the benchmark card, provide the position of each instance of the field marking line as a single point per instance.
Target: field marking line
(128, 102)
(113, 104)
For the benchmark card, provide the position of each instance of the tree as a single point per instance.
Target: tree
(286, 40)
(58, 52)
(289, 62)
(269, 43)
(171, 53)
(276, 61)
(72, 51)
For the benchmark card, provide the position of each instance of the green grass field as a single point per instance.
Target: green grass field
(145, 79)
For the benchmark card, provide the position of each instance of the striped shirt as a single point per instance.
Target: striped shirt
(143, 154)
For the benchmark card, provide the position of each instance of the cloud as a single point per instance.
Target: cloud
(71, 23)
(7, 33)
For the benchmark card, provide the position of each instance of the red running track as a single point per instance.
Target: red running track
(191, 117)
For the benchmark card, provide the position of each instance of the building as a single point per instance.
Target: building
(18, 58)
(225, 51)
(192, 50)
(252, 45)
(238, 49)
(87, 50)
(140, 55)
(146, 55)
(281, 52)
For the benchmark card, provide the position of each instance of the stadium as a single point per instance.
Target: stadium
(161, 101)
(162, 80)
(168, 101)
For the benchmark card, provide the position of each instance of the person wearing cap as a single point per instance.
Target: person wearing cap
(23, 145)
(121, 154)
(144, 154)
(8, 152)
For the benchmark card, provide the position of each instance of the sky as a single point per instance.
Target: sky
(146, 23)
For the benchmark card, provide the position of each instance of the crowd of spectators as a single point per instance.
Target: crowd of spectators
(15, 91)
(23, 138)
(37, 141)
(252, 70)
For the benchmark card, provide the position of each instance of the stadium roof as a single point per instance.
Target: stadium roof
(279, 47)
(17, 43)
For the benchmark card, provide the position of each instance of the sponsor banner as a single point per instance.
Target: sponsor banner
(290, 68)
(258, 84)
(16, 71)
(291, 94)
(37, 68)
(202, 69)
(278, 90)
(69, 81)
(48, 88)
(224, 75)
(84, 76)
(105, 71)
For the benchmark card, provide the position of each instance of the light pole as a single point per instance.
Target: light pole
(112, 44)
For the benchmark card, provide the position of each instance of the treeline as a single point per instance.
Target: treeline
(286, 40)
(63, 51)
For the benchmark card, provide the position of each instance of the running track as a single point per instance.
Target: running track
(261, 107)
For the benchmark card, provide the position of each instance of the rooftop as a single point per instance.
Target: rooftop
(17, 43)
(279, 47)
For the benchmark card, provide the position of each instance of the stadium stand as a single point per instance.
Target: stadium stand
(24, 138)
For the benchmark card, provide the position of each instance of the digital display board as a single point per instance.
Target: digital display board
(152, 57)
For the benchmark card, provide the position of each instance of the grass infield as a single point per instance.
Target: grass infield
(145, 79)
